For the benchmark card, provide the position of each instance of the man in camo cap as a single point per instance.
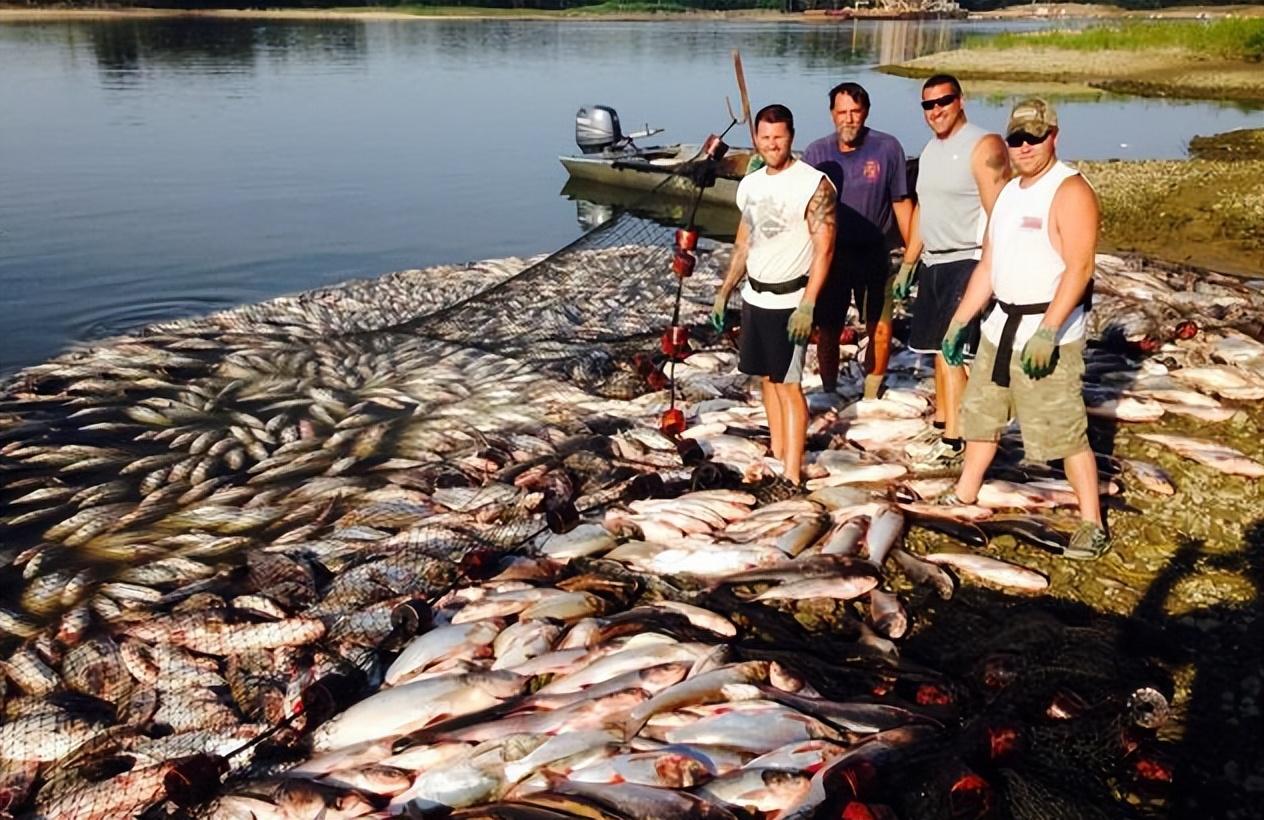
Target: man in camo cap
(1037, 268)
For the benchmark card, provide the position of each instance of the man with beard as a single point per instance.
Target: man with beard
(1037, 268)
(784, 242)
(869, 171)
(961, 171)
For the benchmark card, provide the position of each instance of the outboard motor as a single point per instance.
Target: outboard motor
(597, 130)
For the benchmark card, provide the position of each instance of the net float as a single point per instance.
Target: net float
(686, 239)
(713, 147)
(672, 422)
(675, 341)
(683, 264)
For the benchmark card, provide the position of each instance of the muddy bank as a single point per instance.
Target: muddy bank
(1206, 211)
(1145, 73)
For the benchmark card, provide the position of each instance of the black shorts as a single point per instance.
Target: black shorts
(765, 348)
(939, 291)
(858, 276)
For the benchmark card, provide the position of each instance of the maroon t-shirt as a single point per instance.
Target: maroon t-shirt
(868, 180)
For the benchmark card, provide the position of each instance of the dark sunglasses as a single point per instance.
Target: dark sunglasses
(947, 99)
(1023, 138)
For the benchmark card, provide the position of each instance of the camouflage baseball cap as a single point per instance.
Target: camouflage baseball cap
(1034, 116)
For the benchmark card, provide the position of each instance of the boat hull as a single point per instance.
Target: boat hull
(661, 174)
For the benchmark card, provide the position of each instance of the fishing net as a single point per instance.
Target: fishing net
(217, 532)
(213, 527)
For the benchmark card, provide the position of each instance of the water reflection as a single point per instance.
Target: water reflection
(126, 47)
(596, 203)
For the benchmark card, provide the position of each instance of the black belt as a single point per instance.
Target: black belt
(778, 288)
(1013, 318)
(954, 250)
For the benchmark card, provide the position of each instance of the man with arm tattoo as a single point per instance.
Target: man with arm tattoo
(783, 247)
(869, 171)
(961, 171)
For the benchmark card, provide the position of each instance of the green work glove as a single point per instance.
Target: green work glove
(954, 343)
(1037, 359)
(903, 281)
(718, 308)
(799, 328)
(755, 162)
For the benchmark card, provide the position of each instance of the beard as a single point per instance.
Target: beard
(849, 134)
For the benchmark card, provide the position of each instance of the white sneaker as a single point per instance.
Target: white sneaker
(935, 452)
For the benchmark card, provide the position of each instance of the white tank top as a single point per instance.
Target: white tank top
(952, 220)
(1026, 268)
(780, 249)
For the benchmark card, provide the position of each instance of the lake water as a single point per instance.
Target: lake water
(161, 168)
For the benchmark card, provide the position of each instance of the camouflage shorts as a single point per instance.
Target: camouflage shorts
(1050, 411)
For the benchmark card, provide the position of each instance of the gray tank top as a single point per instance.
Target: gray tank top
(952, 220)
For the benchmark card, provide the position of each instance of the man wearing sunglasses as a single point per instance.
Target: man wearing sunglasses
(960, 173)
(1037, 266)
(869, 170)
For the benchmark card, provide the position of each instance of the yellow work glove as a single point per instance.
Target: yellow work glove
(799, 328)
(903, 281)
(1038, 354)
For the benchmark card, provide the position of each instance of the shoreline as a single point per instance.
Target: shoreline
(1143, 73)
(20, 15)
(17, 14)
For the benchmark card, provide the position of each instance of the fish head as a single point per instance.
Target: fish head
(665, 674)
(784, 678)
(518, 746)
(680, 771)
(500, 683)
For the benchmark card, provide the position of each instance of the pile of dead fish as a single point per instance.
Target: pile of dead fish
(305, 561)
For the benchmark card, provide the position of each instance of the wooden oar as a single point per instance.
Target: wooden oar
(741, 88)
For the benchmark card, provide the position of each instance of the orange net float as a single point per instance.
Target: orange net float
(686, 239)
(675, 342)
(970, 797)
(683, 264)
(672, 422)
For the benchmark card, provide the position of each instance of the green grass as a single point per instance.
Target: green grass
(449, 11)
(635, 7)
(1241, 39)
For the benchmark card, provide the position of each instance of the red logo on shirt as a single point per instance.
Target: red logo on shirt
(1034, 223)
(871, 169)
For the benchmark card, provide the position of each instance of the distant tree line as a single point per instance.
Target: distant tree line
(557, 5)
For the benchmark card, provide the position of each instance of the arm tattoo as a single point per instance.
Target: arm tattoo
(821, 208)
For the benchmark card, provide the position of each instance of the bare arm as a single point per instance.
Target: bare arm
(737, 262)
(990, 165)
(903, 209)
(1074, 232)
(913, 247)
(822, 223)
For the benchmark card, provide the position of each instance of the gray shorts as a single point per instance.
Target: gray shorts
(1050, 411)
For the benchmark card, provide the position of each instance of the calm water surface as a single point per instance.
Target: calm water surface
(155, 169)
